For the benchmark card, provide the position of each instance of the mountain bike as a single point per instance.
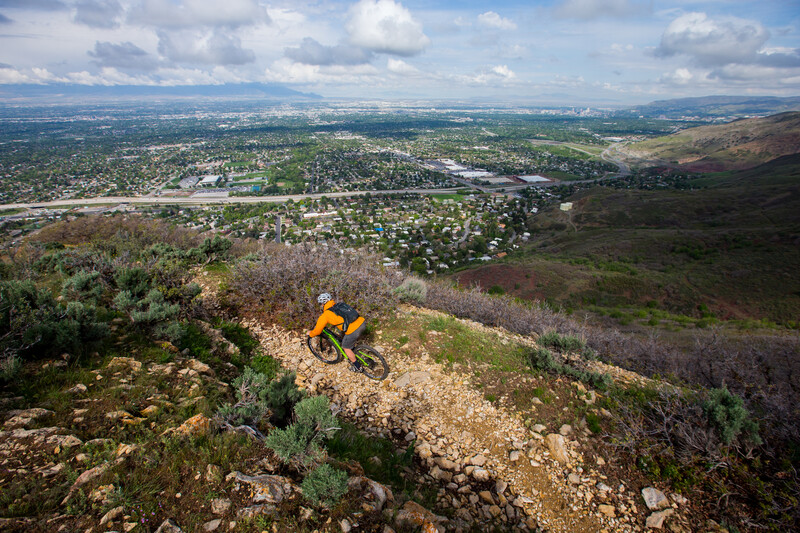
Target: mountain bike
(327, 347)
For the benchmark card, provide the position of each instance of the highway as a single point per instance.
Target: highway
(204, 199)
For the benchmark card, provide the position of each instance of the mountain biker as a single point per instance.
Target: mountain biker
(351, 335)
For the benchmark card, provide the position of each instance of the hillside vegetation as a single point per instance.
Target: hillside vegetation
(733, 146)
(146, 385)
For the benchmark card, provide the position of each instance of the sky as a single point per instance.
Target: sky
(557, 51)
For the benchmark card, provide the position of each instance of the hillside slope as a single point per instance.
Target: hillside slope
(519, 464)
(737, 145)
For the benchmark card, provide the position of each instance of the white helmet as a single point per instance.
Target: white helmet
(324, 297)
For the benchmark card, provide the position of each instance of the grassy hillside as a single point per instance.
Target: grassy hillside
(141, 385)
(737, 145)
(727, 250)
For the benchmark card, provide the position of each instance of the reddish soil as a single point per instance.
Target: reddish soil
(514, 280)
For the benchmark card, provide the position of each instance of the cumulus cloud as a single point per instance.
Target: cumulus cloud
(713, 42)
(214, 48)
(492, 20)
(191, 13)
(124, 55)
(311, 52)
(755, 73)
(398, 66)
(504, 72)
(98, 13)
(680, 76)
(594, 9)
(496, 74)
(285, 70)
(386, 27)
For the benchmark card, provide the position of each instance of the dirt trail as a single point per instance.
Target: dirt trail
(452, 424)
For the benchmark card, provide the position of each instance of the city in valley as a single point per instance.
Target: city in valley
(428, 188)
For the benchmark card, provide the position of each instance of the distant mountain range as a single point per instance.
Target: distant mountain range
(228, 90)
(740, 144)
(717, 106)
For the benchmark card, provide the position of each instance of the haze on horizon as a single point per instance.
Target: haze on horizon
(555, 51)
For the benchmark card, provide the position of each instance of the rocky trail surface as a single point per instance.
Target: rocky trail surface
(490, 468)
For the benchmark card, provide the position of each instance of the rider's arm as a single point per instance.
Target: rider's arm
(322, 321)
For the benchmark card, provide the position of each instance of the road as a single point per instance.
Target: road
(206, 199)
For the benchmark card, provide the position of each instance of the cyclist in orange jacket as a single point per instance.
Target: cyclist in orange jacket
(354, 330)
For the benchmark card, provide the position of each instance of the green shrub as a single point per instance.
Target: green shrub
(593, 422)
(281, 396)
(149, 310)
(564, 343)
(240, 336)
(212, 249)
(83, 286)
(496, 290)
(542, 359)
(726, 413)
(300, 444)
(134, 280)
(324, 486)
(9, 367)
(265, 364)
(189, 336)
(412, 290)
(33, 324)
(251, 407)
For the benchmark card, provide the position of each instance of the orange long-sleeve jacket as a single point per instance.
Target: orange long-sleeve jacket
(329, 317)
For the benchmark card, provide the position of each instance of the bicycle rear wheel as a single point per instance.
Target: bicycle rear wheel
(324, 350)
(375, 366)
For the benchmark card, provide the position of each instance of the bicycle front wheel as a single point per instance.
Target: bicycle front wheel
(324, 350)
(375, 366)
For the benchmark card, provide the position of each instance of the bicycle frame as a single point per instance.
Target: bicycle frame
(336, 338)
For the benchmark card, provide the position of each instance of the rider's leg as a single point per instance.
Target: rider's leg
(350, 354)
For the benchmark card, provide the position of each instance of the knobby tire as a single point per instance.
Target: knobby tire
(324, 350)
(375, 366)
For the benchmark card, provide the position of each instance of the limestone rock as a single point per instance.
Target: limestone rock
(556, 444)
(125, 362)
(377, 495)
(478, 460)
(444, 463)
(607, 510)
(126, 449)
(197, 425)
(654, 499)
(486, 496)
(199, 367)
(565, 430)
(414, 377)
(213, 474)
(656, 520)
(414, 515)
(27, 417)
(169, 526)
(255, 510)
(88, 476)
(113, 514)
(80, 388)
(479, 474)
(212, 525)
(266, 488)
(220, 506)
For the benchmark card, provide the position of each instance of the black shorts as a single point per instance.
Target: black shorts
(349, 340)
